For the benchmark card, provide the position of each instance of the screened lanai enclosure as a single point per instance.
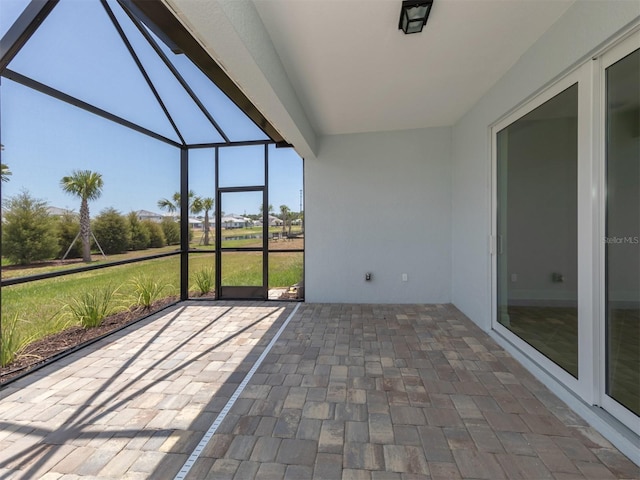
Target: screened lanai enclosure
(113, 113)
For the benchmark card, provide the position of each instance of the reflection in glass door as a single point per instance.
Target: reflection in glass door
(537, 228)
(622, 238)
(566, 231)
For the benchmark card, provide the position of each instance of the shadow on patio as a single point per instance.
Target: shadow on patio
(137, 388)
(347, 391)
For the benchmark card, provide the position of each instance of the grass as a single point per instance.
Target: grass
(93, 306)
(204, 280)
(39, 307)
(242, 268)
(146, 290)
(98, 260)
(11, 340)
(17, 333)
(35, 269)
(285, 269)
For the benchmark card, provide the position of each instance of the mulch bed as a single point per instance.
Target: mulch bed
(38, 352)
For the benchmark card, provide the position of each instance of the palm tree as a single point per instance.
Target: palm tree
(205, 204)
(86, 185)
(5, 173)
(284, 214)
(173, 205)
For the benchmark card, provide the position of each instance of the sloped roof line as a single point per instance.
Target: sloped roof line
(143, 31)
(31, 19)
(136, 59)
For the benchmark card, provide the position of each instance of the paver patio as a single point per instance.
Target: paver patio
(347, 391)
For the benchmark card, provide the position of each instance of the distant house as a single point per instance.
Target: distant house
(196, 223)
(147, 215)
(235, 221)
(273, 221)
(59, 212)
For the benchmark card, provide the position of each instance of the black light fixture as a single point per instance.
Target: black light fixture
(414, 14)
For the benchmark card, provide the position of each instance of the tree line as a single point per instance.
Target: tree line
(196, 205)
(30, 233)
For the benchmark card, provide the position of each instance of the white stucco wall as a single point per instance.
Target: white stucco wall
(379, 203)
(585, 27)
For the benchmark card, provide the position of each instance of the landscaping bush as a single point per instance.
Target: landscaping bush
(156, 235)
(171, 231)
(146, 290)
(68, 227)
(138, 233)
(112, 231)
(11, 341)
(28, 231)
(93, 306)
(204, 280)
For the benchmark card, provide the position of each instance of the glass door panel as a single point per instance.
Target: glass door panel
(240, 219)
(242, 256)
(242, 276)
(537, 227)
(242, 268)
(622, 239)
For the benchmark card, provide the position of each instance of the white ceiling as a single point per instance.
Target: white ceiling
(354, 71)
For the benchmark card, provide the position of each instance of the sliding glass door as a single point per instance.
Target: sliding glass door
(566, 230)
(622, 229)
(537, 212)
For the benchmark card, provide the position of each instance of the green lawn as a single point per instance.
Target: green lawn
(196, 243)
(35, 269)
(40, 309)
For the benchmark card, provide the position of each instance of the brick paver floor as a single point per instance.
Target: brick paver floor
(347, 392)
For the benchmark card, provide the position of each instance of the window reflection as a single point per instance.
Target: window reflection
(622, 240)
(537, 228)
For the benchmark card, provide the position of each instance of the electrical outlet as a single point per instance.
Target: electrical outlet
(514, 277)
(405, 277)
(367, 276)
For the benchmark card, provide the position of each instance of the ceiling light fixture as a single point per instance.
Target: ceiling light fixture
(414, 14)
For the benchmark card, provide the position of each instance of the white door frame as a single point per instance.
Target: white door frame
(583, 385)
(622, 48)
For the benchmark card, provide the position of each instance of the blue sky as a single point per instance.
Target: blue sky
(77, 51)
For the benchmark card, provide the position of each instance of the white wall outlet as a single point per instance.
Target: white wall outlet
(514, 277)
(405, 277)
